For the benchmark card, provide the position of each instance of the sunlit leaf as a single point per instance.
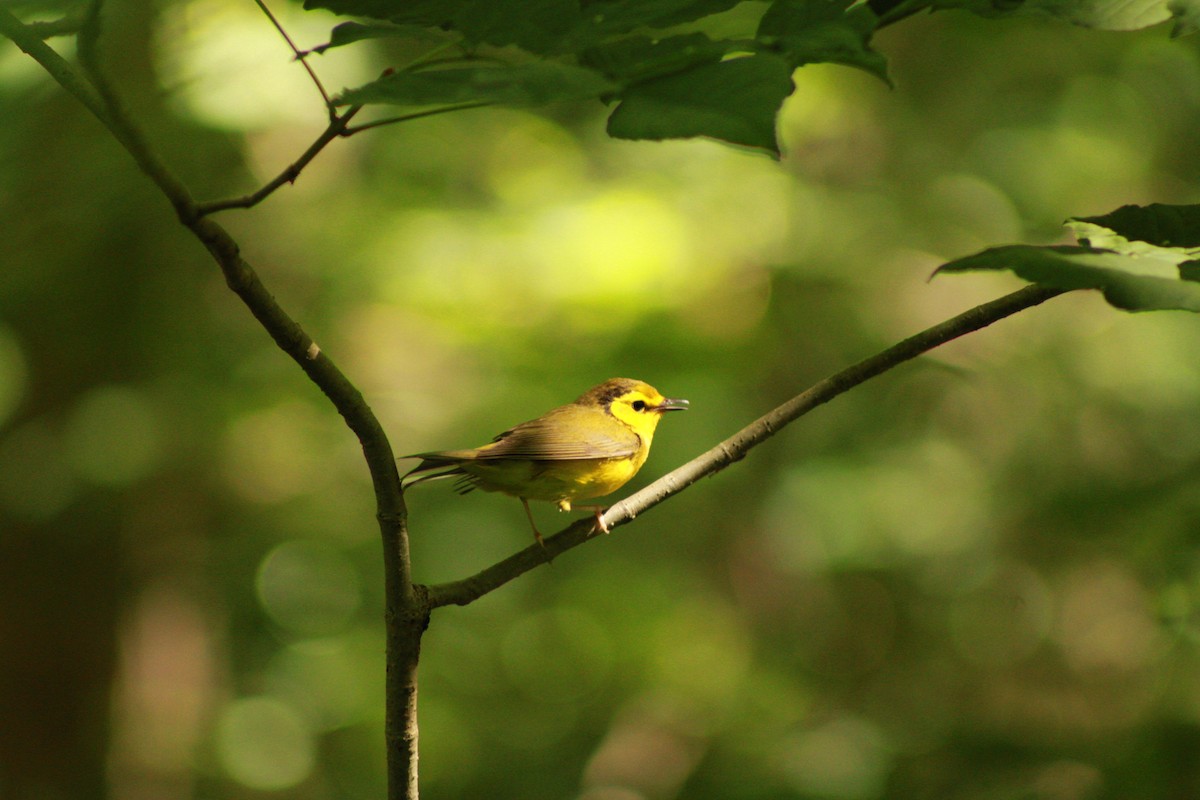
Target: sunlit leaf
(1112, 15)
(1157, 224)
(1133, 283)
(735, 101)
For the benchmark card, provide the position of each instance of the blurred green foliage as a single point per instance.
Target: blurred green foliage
(975, 577)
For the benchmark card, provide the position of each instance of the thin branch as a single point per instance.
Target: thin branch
(55, 65)
(735, 447)
(300, 57)
(407, 609)
(337, 127)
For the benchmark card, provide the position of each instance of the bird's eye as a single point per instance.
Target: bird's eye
(638, 405)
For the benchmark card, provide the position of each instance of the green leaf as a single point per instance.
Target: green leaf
(429, 13)
(623, 16)
(813, 31)
(1128, 282)
(350, 32)
(1187, 16)
(1157, 224)
(1190, 270)
(640, 58)
(539, 26)
(1111, 15)
(521, 85)
(735, 101)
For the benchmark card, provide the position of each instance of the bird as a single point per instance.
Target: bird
(579, 451)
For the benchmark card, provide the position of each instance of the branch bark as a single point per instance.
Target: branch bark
(407, 609)
(737, 446)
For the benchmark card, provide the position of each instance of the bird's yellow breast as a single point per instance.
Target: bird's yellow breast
(556, 481)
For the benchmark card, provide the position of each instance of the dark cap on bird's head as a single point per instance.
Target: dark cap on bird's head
(613, 388)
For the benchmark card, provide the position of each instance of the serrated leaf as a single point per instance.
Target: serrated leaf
(1127, 282)
(814, 31)
(735, 101)
(521, 85)
(640, 58)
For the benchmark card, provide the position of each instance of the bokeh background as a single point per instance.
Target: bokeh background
(975, 577)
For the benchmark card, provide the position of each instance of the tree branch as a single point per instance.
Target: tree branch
(735, 447)
(337, 127)
(407, 610)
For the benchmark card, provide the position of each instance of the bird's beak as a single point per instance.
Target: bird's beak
(673, 405)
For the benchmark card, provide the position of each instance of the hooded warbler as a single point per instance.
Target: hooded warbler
(585, 449)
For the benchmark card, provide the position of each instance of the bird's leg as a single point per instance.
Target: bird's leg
(565, 505)
(597, 511)
(536, 533)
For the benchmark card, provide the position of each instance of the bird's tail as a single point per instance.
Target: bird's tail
(436, 466)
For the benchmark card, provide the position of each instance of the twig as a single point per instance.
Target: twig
(337, 127)
(300, 57)
(735, 447)
(406, 609)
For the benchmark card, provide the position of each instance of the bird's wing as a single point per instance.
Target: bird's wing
(553, 437)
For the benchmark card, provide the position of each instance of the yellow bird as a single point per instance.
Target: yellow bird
(586, 449)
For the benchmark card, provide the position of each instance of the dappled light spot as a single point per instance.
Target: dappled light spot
(210, 48)
(308, 588)
(927, 501)
(1002, 621)
(701, 653)
(275, 454)
(327, 679)
(115, 436)
(847, 758)
(1106, 620)
(649, 751)
(264, 744)
(164, 692)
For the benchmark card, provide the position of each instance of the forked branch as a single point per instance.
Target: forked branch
(407, 613)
